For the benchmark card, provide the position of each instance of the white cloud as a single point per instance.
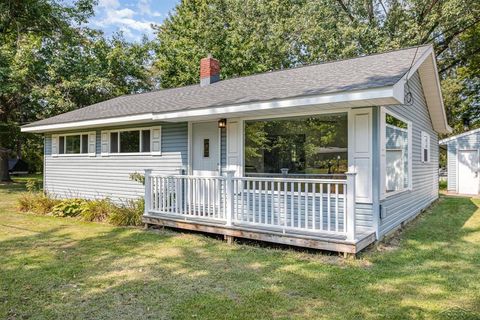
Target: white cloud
(108, 3)
(111, 16)
(145, 9)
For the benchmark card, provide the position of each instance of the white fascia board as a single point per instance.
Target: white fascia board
(388, 92)
(139, 118)
(357, 95)
(446, 140)
(428, 54)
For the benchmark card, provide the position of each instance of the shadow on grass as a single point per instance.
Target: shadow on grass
(73, 271)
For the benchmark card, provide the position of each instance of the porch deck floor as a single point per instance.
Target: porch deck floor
(318, 240)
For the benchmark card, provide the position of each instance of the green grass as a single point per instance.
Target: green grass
(61, 268)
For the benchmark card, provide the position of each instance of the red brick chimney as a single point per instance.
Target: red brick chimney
(209, 70)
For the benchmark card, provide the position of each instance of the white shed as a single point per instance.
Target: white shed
(463, 165)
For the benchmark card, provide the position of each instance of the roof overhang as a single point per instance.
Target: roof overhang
(426, 66)
(389, 95)
(380, 96)
(447, 140)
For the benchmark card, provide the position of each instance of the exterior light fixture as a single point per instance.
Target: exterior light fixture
(222, 123)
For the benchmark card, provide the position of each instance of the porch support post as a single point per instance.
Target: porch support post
(179, 191)
(350, 216)
(229, 196)
(148, 191)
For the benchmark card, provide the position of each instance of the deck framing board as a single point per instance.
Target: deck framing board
(321, 243)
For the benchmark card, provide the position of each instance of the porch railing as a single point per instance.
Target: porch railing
(289, 205)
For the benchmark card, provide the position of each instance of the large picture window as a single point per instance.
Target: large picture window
(397, 153)
(303, 145)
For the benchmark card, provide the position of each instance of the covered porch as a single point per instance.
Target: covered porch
(315, 213)
(303, 179)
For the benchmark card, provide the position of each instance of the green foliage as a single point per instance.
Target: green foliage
(50, 64)
(36, 202)
(32, 185)
(104, 210)
(138, 177)
(253, 36)
(442, 185)
(97, 210)
(128, 214)
(69, 208)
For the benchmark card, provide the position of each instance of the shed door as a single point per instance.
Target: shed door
(205, 149)
(468, 176)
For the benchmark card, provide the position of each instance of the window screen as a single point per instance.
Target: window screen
(72, 144)
(130, 141)
(61, 145)
(145, 140)
(114, 142)
(84, 143)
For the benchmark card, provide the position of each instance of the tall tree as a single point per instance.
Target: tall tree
(49, 64)
(258, 35)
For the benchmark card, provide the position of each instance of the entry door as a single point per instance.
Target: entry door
(205, 149)
(468, 176)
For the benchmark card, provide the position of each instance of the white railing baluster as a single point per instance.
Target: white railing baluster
(254, 201)
(272, 190)
(292, 205)
(247, 194)
(314, 205)
(350, 215)
(336, 207)
(284, 203)
(328, 207)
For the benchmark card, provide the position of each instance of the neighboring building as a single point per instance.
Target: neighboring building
(330, 156)
(17, 166)
(463, 166)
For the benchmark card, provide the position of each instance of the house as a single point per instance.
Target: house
(329, 156)
(463, 165)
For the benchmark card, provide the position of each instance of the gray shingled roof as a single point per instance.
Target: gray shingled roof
(367, 72)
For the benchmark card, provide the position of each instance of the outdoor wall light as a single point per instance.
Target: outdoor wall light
(222, 123)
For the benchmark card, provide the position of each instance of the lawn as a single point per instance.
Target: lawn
(62, 268)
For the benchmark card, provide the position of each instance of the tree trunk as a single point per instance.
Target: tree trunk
(4, 174)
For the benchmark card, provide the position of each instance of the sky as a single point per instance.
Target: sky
(132, 17)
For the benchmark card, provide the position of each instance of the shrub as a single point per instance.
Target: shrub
(138, 177)
(36, 202)
(26, 201)
(128, 214)
(69, 208)
(44, 204)
(32, 185)
(97, 210)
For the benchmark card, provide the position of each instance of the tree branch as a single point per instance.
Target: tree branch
(344, 7)
(457, 61)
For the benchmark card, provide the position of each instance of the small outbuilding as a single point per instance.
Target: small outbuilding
(463, 166)
(17, 166)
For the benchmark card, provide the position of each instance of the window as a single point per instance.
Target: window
(206, 148)
(73, 144)
(303, 145)
(425, 147)
(397, 146)
(130, 141)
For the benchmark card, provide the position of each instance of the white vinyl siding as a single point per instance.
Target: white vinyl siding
(464, 142)
(99, 176)
(424, 183)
